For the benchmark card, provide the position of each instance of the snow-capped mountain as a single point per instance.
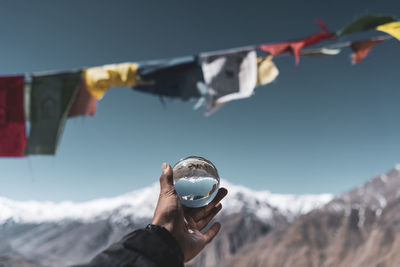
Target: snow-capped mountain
(64, 233)
(140, 204)
(358, 228)
(264, 204)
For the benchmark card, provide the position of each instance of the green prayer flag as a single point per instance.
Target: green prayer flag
(51, 98)
(365, 23)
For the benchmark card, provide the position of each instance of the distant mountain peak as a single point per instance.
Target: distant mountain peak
(397, 167)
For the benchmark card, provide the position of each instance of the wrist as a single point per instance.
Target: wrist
(167, 226)
(167, 237)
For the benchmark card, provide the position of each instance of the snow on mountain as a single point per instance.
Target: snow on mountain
(140, 204)
(397, 167)
(263, 203)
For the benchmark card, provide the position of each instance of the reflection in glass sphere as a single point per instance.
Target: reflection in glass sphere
(196, 181)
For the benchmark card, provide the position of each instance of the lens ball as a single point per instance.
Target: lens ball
(196, 181)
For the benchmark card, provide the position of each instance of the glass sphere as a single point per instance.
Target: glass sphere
(196, 181)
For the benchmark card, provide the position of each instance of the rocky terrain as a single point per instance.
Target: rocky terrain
(358, 228)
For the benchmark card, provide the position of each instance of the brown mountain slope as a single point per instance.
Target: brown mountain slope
(238, 230)
(359, 228)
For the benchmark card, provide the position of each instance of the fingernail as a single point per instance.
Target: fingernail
(164, 166)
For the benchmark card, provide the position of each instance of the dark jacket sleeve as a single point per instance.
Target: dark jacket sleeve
(153, 246)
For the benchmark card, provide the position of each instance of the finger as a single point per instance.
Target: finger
(203, 223)
(200, 213)
(212, 232)
(166, 178)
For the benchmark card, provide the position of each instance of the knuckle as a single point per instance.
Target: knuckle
(167, 192)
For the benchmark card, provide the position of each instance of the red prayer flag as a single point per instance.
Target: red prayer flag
(12, 117)
(295, 47)
(361, 49)
(84, 103)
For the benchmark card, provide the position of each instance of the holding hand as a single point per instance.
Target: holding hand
(184, 223)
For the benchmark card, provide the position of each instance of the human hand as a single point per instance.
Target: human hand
(184, 223)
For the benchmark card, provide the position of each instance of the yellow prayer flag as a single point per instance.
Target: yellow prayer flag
(392, 28)
(267, 71)
(99, 79)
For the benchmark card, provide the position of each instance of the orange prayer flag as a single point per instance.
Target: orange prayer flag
(361, 49)
(295, 47)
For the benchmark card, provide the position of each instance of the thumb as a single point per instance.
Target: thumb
(166, 178)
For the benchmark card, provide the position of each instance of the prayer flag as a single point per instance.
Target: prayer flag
(175, 77)
(228, 75)
(12, 117)
(295, 47)
(365, 23)
(267, 71)
(320, 52)
(361, 49)
(392, 28)
(84, 103)
(51, 98)
(99, 79)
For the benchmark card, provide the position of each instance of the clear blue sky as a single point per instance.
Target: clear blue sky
(324, 126)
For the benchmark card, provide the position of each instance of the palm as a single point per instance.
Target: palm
(195, 220)
(194, 239)
(193, 232)
(184, 223)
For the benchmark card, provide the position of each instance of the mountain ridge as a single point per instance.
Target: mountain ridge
(66, 233)
(141, 204)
